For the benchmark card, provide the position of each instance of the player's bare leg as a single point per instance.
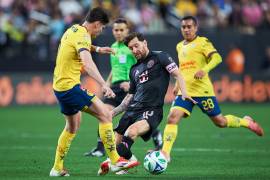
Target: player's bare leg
(123, 148)
(137, 129)
(236, 122)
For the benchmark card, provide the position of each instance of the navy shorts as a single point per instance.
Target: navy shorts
(74, 100)
(152, 115)
(208, 105)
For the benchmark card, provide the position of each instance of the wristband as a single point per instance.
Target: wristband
(97, 49)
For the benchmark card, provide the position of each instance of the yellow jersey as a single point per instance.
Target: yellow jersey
(193, 57)
(67, 71)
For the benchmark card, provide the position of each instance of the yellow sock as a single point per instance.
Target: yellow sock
(235, 122)
(64, 142)
(108, 139)
(170, 133)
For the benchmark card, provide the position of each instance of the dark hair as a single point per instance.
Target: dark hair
(194, 19)
(121, 20)
(97, 14)
(132, 36)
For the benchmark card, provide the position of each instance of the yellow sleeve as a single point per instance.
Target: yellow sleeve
(82, 41)
(213, 61)
(207, 48)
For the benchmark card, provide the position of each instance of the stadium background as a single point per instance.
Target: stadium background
(29, 34)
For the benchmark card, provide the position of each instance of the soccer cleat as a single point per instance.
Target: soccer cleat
(121, 164)
(104, 167)
(95, 153)
(122, 172)
(254, 126)
(133, 158)
(55, 173)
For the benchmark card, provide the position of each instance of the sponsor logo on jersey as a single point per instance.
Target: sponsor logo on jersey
(143, 77)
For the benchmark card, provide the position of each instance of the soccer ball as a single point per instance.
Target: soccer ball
(155, 162)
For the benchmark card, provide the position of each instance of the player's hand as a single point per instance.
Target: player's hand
(107, 91)
(124, 86)
(199, 74)
(106, 50)
(186, 97)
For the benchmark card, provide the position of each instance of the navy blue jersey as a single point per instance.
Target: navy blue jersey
(149, 80)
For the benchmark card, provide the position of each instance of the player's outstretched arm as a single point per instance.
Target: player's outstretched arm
(123, 106)
(92, 70)
(182, 85)
(213, 60)
(102, 50)
(109, 79)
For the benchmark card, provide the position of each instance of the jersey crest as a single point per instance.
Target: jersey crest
(150, 63)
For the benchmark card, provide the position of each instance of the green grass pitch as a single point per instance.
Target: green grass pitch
(29, 135)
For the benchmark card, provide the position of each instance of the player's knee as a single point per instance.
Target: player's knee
(220, 123)
(173, 118)
(72, 128)
(105, 116)
(132, 133)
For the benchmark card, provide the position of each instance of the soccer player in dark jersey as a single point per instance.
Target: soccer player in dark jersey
(149, 80)
(118, 79)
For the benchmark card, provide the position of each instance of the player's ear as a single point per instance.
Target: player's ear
(196, 28)
(145, 42)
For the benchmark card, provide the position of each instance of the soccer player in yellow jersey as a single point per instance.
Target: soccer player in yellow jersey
(73, 55)
(197, 57)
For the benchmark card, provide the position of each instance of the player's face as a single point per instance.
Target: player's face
(98, 28)
(138, 48)
(120, 31)
(189, 29)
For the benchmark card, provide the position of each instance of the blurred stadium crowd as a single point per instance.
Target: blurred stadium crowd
(39, 22)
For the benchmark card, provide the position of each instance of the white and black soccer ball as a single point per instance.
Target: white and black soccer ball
(155, 162)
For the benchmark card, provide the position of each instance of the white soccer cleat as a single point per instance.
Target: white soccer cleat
(121, 164)
(133, 158)
(55, 173)
(122, 172)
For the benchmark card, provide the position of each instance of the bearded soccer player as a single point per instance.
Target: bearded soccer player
(149, 80)
(73, 55)
(197, 57)
(118, 79)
